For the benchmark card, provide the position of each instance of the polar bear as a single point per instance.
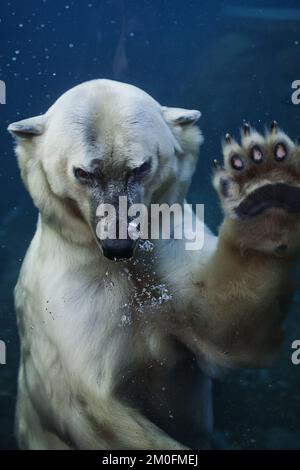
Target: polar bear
(107, 362)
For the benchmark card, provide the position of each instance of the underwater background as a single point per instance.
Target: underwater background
(234, 61)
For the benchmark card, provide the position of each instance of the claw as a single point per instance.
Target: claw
(216, 164)
(246, 128)
(228, 138)
(274, 127)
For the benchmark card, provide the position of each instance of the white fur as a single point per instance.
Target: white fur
(80, 320)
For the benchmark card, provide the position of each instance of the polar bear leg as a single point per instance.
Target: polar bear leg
(29, 431)
(245, 287)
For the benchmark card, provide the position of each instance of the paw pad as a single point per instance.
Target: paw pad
(280, 152)
(256, 154)
(237, 163)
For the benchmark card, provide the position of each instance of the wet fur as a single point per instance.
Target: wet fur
(90, 379)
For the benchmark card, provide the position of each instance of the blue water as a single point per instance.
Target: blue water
(233, 60)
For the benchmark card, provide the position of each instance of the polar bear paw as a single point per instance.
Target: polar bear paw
(259, 189)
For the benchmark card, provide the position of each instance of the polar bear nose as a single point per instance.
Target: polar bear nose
(118, 249)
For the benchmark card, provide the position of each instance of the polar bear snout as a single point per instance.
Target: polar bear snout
(116, 231)
(118, 249)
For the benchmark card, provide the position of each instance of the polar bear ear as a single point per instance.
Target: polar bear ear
(180, 116)
(27, 128)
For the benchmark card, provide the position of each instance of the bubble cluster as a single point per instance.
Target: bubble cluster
(146, 246)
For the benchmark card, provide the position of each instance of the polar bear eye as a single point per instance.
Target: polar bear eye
(80, 174)
(143, 170)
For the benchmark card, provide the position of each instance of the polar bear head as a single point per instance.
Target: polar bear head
(101, 140)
